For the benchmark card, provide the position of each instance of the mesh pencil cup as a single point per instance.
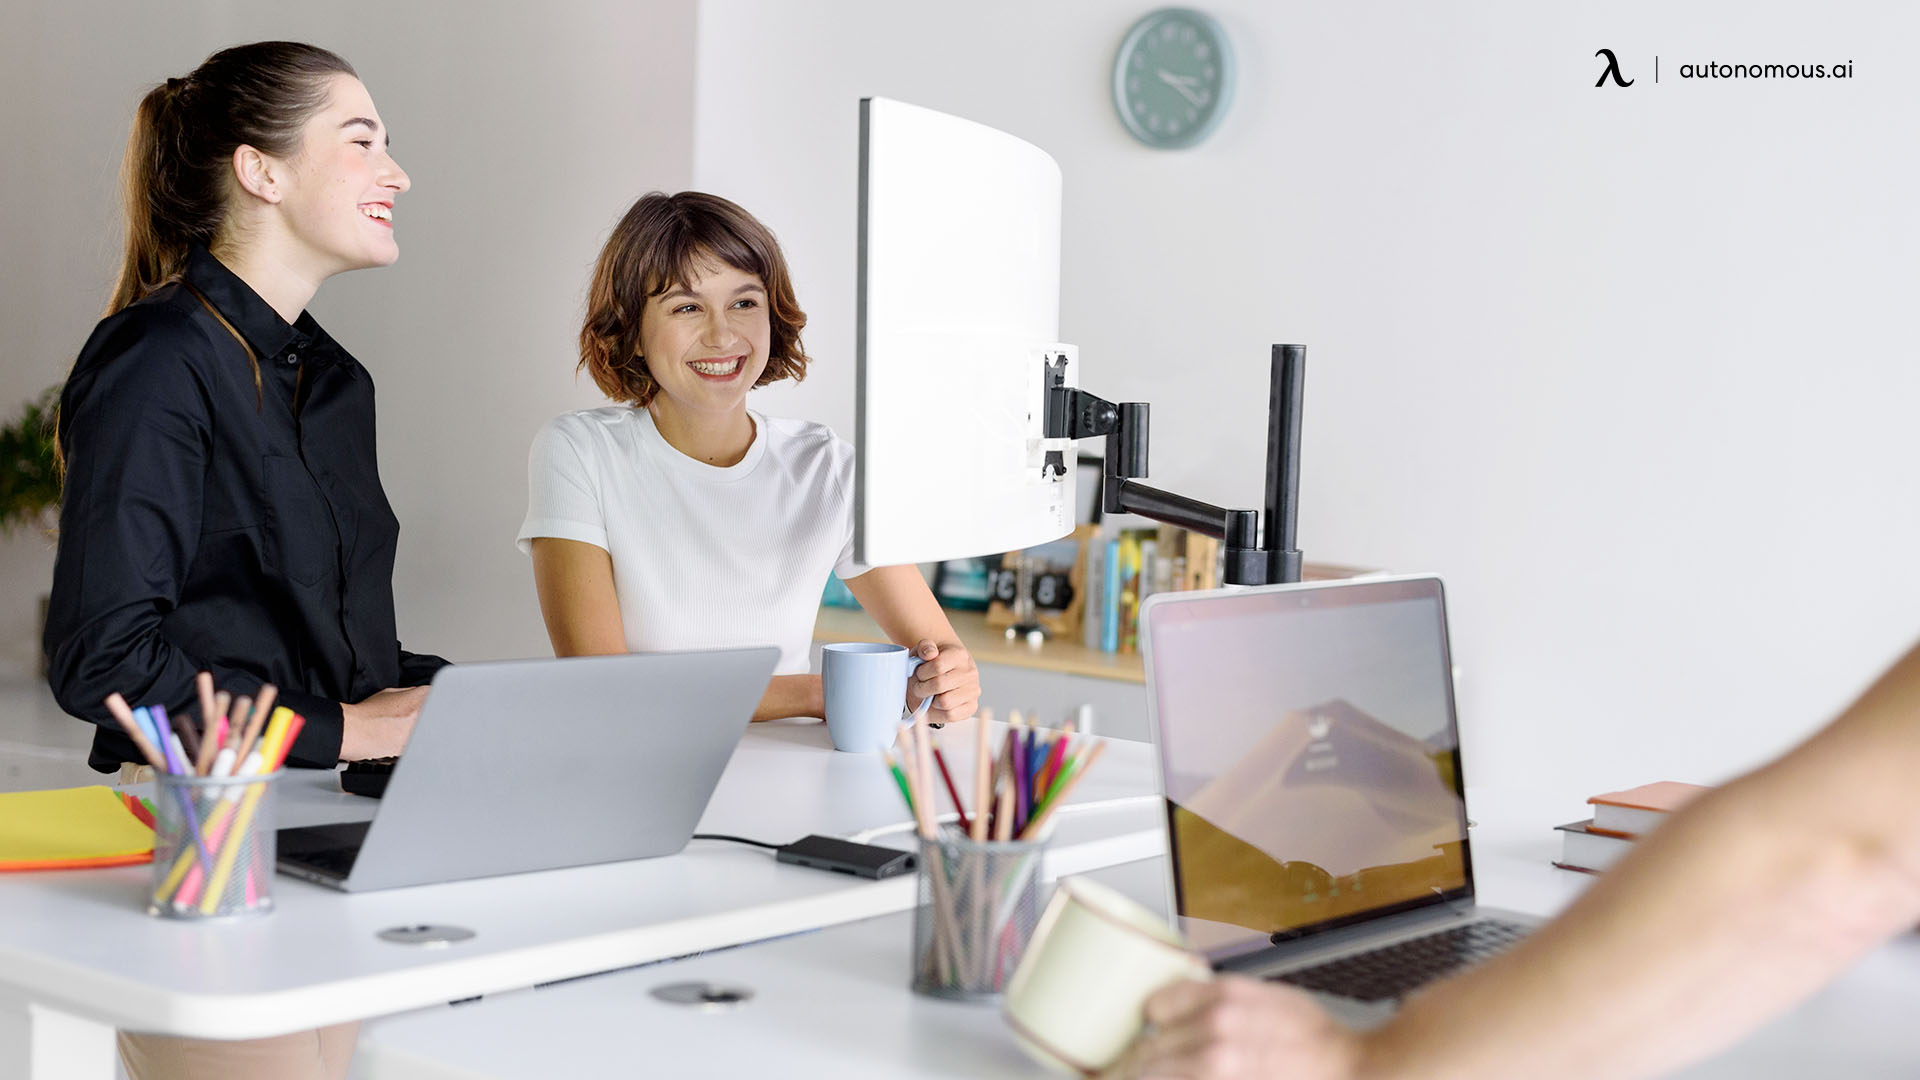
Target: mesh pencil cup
(978, 906)
(212, 846)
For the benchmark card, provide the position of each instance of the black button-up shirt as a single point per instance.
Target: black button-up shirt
(210, 522)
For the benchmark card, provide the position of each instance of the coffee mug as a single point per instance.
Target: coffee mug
(866, 689)
(1077, 1000)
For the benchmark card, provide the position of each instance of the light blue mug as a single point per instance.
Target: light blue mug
(865, 685)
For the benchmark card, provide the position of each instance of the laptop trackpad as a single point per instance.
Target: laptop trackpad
(331, 848)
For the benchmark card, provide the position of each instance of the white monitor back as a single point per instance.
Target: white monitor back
(959, 307)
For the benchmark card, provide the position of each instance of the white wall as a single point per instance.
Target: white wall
(527, 129)
(1631, 368)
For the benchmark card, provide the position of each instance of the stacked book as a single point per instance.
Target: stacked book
(1619, 818)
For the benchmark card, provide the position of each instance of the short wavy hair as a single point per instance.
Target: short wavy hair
(662, 243)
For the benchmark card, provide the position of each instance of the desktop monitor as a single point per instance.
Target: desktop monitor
(959, 309)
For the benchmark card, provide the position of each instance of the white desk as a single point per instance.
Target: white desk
(835, 1004)
(79, 956)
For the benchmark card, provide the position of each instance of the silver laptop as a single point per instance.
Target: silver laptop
(539, 764)
(1310, 757)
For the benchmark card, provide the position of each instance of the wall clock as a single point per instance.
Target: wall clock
(1173, 77)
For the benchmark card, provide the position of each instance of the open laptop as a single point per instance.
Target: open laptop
(1310, 757)
(538, 764)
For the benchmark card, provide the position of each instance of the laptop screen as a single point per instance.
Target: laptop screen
(1310, 756)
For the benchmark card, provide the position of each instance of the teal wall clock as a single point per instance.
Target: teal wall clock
(1173, 77)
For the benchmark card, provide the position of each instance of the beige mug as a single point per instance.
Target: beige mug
(1076, 1001)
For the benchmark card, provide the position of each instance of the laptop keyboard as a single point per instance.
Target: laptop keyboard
(328, 848)
(1393, 971)
(332, 860)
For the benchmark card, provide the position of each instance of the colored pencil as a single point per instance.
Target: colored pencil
(262, 706)
(923, 777)
(900, 778)
(189, 743)
(155, 719)
(144, 717)
(982, 775)
(221, 729)
(1059, 793)
(1050, 771)
(209, 745)
(274, 746)
(917, 795)
(953, 793)
(123, 715)
(1003, 813)
(294, 724)
(229, 851)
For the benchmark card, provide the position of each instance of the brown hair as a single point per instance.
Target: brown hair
(660, 244)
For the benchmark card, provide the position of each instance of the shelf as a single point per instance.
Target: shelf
(989, 645)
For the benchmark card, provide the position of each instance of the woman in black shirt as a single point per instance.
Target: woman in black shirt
(222, 509)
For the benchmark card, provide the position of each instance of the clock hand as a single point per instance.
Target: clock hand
(1182, 83)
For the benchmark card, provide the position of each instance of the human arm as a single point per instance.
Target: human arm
(582, 612)
(898, 599)
(1744, 903)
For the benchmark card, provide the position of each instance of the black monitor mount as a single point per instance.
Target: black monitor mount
(1072, 413)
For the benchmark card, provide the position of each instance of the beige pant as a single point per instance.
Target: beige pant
(305, 1055)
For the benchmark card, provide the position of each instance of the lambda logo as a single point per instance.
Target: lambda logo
(1613, 70)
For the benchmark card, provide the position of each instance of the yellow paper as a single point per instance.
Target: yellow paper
(70, 823)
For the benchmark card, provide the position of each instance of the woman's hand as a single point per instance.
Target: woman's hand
(946, 674)
(380, 725)
(1236, 1028)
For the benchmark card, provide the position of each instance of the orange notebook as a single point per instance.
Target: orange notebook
(1637, 810)
(70, 828)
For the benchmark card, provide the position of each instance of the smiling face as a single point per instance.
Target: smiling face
(706, 341)
(337, 202)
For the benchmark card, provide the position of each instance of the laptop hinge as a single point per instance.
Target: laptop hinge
(1371, 932)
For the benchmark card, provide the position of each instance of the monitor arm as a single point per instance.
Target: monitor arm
(1072, 413)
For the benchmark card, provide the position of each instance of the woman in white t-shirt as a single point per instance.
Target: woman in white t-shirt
(681, 519)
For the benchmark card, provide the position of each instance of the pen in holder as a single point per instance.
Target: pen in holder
(980, 880)
(978, 905)
(213, 808)
(213, 848)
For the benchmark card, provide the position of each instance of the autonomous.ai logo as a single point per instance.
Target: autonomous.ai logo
(1612, 71)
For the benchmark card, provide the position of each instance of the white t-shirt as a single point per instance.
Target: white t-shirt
(703, 557)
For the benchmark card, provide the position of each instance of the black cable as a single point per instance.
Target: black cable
(737, 840)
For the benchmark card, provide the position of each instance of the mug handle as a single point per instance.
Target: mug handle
(914, 714)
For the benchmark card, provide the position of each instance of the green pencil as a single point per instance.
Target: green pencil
(901, 779)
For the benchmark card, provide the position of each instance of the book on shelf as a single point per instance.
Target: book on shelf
(1093, 616)
(1588, 851)
(1636, 811)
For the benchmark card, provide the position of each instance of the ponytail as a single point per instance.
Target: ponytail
(155, 254)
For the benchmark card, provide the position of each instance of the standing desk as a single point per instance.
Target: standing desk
(835, 1003)
(80, 957)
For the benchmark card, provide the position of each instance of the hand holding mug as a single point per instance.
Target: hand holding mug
(947, 675)
(1236, 1028)
(1079, 996)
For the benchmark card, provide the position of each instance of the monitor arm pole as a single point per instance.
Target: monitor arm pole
(1072, 413)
